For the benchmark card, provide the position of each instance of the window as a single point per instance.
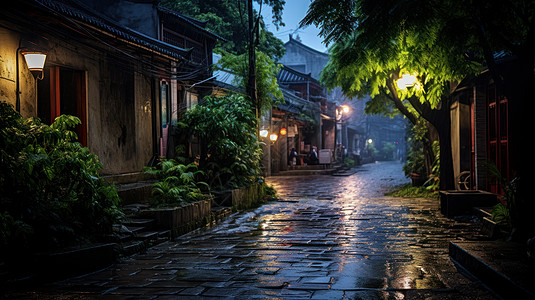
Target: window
(191, 100)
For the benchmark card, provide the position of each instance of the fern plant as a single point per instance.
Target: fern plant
(177, 185)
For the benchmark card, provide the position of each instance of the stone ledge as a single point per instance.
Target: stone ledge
(455, 203)
(503, 266)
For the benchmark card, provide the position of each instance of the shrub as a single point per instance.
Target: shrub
(230, 153)
(177, 185)
(51, 195)
(349, 162)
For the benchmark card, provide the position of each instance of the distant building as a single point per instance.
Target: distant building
(353, 128)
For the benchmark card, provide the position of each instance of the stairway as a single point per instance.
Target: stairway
(135, 234)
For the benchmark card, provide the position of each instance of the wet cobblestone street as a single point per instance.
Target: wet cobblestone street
(328, 237)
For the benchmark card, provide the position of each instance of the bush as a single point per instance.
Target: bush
(349, 162)
(51, 195)
(177, 185)
(230, 153)
(388, 151)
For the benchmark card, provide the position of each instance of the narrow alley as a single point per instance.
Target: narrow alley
(327, 237)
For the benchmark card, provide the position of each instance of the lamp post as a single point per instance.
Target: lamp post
(340, 111)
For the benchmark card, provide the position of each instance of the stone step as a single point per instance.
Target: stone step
(310, 167)
(305, 172)
(147, 235)
(145, 223)
(483, 212)
(125, 178)
(132, 210)
(135, 193)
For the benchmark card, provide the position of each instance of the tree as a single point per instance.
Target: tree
(229, 20)
(266, 74)
(440, 41)
(361, 69)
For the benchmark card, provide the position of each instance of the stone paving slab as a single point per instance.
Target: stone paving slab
(358, 244)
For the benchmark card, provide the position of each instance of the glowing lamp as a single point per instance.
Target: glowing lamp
(406, 81)
(345, 108)
(35, 60)
(283, 131)
(273, 137)
(264, 133)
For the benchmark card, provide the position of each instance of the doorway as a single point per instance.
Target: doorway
(63, 91)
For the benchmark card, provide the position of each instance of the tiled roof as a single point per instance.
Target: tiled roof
(289, 75)
(78, 12)
(199, 25)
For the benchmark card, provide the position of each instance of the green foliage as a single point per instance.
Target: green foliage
(229, 19)
(267, 87)
(409, 191)
(502, 217)
(226, 126)
(388, 151)
(415, 158)
(361, 70)
(372, 150)
(177, 185)
(349, 162)
(51, 194)
(270, 192)
(507, 213)
(433, 181)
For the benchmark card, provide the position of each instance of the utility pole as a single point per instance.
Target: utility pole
(251, 83)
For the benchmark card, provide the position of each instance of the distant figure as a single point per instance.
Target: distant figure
(293, 157)
(313, 156)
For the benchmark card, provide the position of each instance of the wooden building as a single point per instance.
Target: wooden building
(125, 68)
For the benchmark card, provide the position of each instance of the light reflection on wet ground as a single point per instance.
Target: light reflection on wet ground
(327, 238)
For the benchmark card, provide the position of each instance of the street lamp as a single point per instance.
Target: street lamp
(340, 111)
(264, 133)
(406, 80)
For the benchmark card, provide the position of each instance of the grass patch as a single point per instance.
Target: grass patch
(409, 191)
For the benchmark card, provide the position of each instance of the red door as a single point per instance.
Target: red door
(63, 91)
(498, 134)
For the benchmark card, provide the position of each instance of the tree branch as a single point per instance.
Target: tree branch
(393, 95)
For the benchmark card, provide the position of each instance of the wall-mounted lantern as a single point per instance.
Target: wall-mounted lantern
(283, 131)
(35, 60)
(273, 137)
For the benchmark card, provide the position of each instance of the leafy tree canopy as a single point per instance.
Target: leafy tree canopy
(229, 20)
(360, 70)
(267, 87)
